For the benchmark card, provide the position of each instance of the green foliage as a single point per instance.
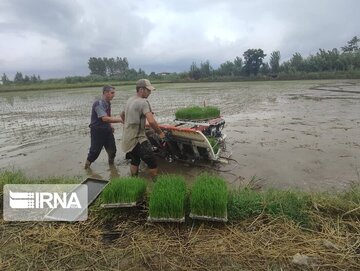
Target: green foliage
(275, 61)
(5, 80)
(167, 199)
(18, 78)
(339, 204)
(205, 69)
(253, 61)
(18, 177)
(244, 203)
(196, 112)
(11, 177)
(194, 72)
(293, 204)
(226, 69)
(124, 190)
(352, 45)
(209, 196)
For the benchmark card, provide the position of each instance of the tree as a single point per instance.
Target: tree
(297, 62)
(33, 79)
(18, 78)
(352, 45)
(97, 66)
(226, 69)
(110, 66)
(238, 66)
(275, 62)
(253, 60)
(265, 69)
(26, 79)
(205, 69)
(141, 73)
(122, 65)
(194, 72)
(5, 80)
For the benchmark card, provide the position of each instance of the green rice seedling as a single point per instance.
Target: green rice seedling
(214, 143)
(124, 190)
(209, 197)
(244, 203)
(196, 112)
(167, 199)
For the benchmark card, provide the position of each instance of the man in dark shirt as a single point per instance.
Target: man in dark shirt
(101, 130)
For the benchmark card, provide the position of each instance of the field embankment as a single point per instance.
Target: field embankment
(268, 230)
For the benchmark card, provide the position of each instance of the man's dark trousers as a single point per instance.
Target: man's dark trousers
(101, 137)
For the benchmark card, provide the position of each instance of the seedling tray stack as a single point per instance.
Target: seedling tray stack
(167, 200)
(209, 199)
(123, 192)
(197, 113)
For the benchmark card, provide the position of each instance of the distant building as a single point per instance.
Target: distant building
(163, 73)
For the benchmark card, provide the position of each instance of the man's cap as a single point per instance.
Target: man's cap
(108, 88)
(144, 83)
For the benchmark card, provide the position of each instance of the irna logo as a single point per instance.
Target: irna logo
(45, 202)
(30, 200)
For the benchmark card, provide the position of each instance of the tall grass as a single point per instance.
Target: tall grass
(209, 196)
(293, 204)
(245, 203)
(124, 190)
(167, 199)
(196, 112)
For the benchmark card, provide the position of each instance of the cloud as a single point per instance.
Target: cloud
(56, 38)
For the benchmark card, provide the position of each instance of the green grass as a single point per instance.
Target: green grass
(167, 199)
(209, 196)
(124, 190)
(293, 204)
(196, 112)
(245, 203)
(18, 177)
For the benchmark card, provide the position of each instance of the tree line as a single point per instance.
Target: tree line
(250, 65)
(20, 79)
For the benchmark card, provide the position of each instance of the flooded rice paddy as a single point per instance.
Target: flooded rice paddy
(291, 134)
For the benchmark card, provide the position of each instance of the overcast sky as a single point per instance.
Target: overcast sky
(55, 38)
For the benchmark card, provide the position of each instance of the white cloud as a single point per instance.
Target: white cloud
(58, 37)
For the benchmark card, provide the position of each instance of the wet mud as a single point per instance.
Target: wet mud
(292, 134)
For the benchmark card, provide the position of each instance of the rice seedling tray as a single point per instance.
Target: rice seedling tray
(119, 205)
(165, 219)
(94, 188)
(209, 218)
(123, 192)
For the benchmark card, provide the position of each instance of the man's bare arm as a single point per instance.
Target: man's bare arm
(153, 124)
(112, 119)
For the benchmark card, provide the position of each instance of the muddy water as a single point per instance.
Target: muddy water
(302, 134)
